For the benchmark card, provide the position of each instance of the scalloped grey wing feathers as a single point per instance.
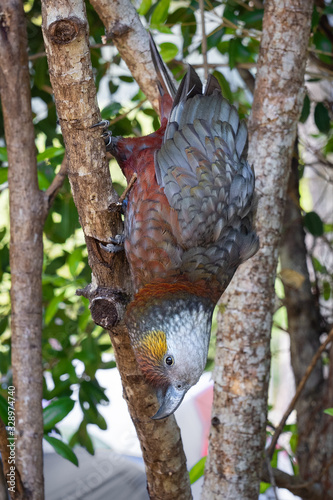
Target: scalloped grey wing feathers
(203, 169)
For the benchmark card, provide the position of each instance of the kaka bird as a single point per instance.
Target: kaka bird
(188, 226)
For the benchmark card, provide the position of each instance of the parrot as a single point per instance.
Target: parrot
(189, 224)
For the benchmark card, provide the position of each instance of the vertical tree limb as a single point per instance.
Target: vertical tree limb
(65, 32)
(124, 28)
(204, 37)
(299, 389)
(305, 325)
(242, 359)
(27, 212)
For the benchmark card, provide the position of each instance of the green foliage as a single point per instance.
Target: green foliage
(305, 110)
(168, 51)
(197, 470)
(62, 449)
(314, 224)
(322, 118)
(56, 411)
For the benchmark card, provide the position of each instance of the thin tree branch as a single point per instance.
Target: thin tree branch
(124, 28)
(271, 475)
(305, 325)
(299, 389)
(295, 484)
(123, 115)
(55, 186)
(204, 37)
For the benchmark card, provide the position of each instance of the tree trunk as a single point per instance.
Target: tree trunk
(27, 212)
(65, 32)
(242, 361)
(315, 429)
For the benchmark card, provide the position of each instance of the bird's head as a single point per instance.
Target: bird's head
(170, 336)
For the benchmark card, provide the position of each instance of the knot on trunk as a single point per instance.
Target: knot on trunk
(118, 30)
(107, 306)
(64, 31)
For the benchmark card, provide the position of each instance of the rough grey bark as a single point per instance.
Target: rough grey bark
(305, 325)
(65, 34)
(26, 246)
(241, 375)
(124, 28)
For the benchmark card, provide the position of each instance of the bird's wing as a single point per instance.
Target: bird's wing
(203, 170)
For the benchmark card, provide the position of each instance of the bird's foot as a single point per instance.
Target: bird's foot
(121, 204)
(106, 134)
(116, 244)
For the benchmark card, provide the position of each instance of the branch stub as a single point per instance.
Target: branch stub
(64, 31)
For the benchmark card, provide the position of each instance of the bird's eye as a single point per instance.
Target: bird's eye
(169, 360)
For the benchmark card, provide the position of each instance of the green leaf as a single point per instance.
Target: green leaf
(224, 84)
(62, 449)
(197, 470)
(110, 110)
(274, 460)
(3, 324)
(326, 290)
(328, 10)
(314, 224)
(315, 18)
(293, 442)
(160, 12)
(252, 19)
(43, 182)
(90, 394)
(81, 436)
(305, 110)
(52, 308)
(264, 487)
(3, 174)
(168, 51)
(144, 7)
(3, 154)
(56, 411)
(162, 28)
(328, 148)
(318, 266)
(74, 260)
(127, 79)
(3, 410)
(50, 153)
(232, 52)
(322, 43)
(329, 411)
(322, 118)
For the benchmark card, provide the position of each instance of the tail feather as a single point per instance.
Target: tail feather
(211, 85)
(163, 75)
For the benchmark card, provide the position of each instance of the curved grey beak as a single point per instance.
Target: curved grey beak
(169, 401)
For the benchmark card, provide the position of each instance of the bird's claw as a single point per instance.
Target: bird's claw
(116, 244)
(102, 123)
(106, 134)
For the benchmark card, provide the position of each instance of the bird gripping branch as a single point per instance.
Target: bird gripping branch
(188, 226)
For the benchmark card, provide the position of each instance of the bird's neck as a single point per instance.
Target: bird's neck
(128, 150)
(153, 295)
(157, 291)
